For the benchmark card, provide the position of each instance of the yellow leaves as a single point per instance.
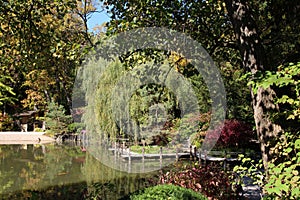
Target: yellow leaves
(34, 98)
(38, 82)
(179, 61)
(42, 76)
(52, 22)
(72, 21)
(4, 26)
(295, 173)
(49, 21)
(86, 6)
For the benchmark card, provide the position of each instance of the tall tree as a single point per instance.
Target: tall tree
(252, 53)
(266, 34)
(42, 44)
(256, 60)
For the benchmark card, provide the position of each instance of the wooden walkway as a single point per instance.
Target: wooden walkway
(213, 156)
(174, 155)
(153, 156)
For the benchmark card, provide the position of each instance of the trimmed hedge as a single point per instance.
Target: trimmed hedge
(167, 191)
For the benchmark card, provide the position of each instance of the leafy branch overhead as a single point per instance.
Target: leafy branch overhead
(286, 77)
(40, 40)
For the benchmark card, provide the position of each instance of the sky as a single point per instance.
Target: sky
(98, 19)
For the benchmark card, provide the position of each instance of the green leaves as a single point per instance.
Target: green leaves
(44, 36)
(167, 191)
(56, 119)
(284, 175)
(6, 92)
(285, 77)
(297, 144)
(250, 168)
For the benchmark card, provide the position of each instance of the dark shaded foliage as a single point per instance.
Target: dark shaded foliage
(210, 180)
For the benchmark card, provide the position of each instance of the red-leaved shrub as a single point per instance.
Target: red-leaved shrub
(233, 134)
(209, 180)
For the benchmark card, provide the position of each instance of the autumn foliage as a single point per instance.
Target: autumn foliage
(209, 180)
(234, 133)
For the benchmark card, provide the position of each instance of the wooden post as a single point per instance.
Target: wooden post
(191, 154)
(143, 154)
(129, 162)
(129, 155)
(224, 163)
(195, 153)
(123, 146)
(143, 158)
(205, 156)
(177, 158)
(200, 162)
(160, 154)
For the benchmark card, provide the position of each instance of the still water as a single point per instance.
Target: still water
(61, 171)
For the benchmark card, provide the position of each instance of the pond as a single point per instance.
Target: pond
(61, 171)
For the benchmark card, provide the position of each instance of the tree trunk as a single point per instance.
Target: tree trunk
(253, 57)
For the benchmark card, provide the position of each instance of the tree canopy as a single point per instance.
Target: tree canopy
(42, 44)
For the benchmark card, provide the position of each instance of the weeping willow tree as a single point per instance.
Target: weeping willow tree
(124, 98)
(103, 98)
(95, 81)
(138, 91)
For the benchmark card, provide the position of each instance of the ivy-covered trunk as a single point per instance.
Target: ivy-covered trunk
(253, 57)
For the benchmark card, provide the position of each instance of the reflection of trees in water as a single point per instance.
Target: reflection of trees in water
(5, 174)
(20, 168)
(27, 167)
(60, 171)
(108, 183)
(67, 191)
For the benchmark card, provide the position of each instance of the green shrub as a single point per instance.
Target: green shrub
(56, 119)
(75, 127)
(151, 149)
(165, 191)
(38, 130)
(198, 138)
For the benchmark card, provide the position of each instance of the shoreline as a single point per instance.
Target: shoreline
(24, 138)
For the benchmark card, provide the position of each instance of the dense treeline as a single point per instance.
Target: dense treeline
(42, 45)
